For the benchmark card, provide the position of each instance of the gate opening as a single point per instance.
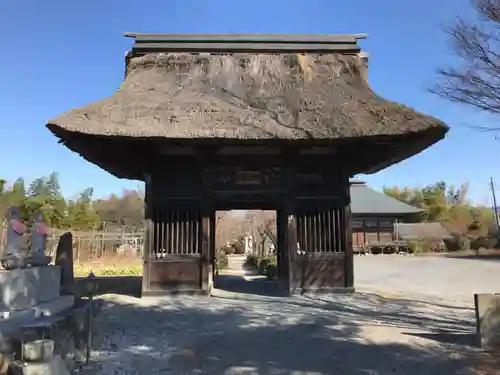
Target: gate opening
(248, 252)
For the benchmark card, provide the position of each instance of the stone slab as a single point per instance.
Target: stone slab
(54, 367)
(54, 306)
(488, 319)
(14, 319)
(24, 288)
(38, 350)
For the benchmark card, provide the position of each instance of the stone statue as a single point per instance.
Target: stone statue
(14, 253)
(39, 234)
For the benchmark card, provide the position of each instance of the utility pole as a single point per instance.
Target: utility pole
(495, 208)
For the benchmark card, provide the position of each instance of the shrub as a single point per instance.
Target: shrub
(264, 263)
(463, 243)
(414, 246)
(222, 261)
(83, 270)
(483, 242)
(457, 243)
(252, 261)
(271, 269)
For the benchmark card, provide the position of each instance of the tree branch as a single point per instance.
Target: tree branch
(475, 82)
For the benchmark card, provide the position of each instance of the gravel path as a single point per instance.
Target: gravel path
(393, 325)
(244, 334)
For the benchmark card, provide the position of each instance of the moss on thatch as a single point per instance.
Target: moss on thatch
(246, 96)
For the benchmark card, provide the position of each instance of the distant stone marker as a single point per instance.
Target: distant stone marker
(14, 255)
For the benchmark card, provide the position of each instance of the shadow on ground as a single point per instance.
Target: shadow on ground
(243, 334)
(131, 285)
(258, 286)
(123, 285)
(489, 257)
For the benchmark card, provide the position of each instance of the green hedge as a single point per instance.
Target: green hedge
(271, 270)
(483, 242)
(457, 243)
(264, 266)
(264, 263)
(252, 261)
(222, 260)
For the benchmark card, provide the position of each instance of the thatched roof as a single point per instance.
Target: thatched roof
(248, 96)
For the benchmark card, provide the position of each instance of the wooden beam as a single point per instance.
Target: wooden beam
(145, 48)
(245, 38)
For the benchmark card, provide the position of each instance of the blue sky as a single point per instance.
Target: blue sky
(57, 55)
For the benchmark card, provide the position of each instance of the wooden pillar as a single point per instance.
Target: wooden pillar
(148, 233)
(349, 253)
(146, 267)
(289, 222)
(278, 247)
(206, 271)
(213, 253)
(283, 250)
(290, 253)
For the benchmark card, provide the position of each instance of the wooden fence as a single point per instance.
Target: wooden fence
(93, 244)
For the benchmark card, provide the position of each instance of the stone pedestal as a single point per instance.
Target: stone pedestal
(24, 288)
(29, 293)
(56, 366)
(488, 319)
(38, 350)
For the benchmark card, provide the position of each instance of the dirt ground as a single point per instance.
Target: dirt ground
(409, 316)
(449, 278)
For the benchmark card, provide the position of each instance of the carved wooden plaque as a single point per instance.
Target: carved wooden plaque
(248, 177)
(232, 177)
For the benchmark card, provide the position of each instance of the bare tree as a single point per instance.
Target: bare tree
(261, 224)
(227, 228)
(475, 81)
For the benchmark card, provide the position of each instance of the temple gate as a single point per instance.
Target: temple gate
(218, 122)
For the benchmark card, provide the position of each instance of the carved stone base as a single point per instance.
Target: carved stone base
(56, 366)
(38, 350)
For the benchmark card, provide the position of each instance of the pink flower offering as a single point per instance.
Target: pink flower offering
(42, 229)
(18, 226)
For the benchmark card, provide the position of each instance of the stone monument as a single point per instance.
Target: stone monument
(36, 298)
(14, 255)
(39, 234)
(487, 308)
(29, 287)
(64, 259)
